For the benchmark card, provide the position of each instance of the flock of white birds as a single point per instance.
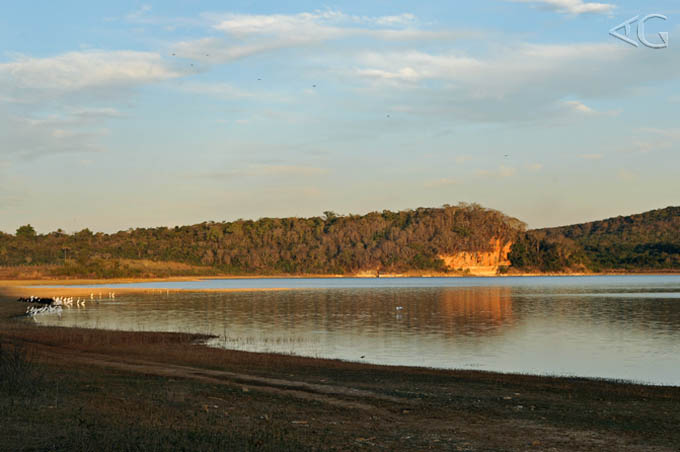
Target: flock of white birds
(57, 304)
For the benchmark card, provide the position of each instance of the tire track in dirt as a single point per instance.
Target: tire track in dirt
(329, 394)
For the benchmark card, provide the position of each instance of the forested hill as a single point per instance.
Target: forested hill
(332, 244)
(647, 241)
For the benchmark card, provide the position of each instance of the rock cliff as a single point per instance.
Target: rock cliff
(480, 263)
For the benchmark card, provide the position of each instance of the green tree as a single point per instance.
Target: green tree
(26, 231)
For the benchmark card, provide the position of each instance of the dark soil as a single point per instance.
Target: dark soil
(76, 389)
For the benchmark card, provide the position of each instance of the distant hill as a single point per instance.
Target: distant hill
(463, 239)
(410, 240)
(647, 241)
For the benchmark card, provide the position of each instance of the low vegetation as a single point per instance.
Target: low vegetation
(18, 374)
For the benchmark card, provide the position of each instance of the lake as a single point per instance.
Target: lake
(621, 327)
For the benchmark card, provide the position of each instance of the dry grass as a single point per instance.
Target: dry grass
(17, 369)
(136, 268)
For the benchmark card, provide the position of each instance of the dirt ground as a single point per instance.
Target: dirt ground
(107, 390)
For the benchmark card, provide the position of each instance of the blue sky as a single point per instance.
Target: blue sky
(148, 114)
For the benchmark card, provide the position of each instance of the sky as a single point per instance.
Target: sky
(131, 114)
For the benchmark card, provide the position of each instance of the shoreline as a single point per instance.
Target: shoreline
(150, 379)
(47, 291)
(100, 281)
(66, 287)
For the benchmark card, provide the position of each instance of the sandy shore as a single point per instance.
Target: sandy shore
(49, 291)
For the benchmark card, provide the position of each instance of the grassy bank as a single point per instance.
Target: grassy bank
(81, 389)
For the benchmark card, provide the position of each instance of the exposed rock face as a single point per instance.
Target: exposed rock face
(480, 263)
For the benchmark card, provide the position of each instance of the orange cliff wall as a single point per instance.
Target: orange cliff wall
(480, 263)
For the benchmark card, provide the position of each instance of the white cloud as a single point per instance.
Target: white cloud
(221, 90)
(70, 129)
(401, 19)
(579, 107)
(251, 34)
(517, 83)
(215, 50)
(59, 99)
(304, 25)
(571, 6)
(87, 113)
(317, 25)
(508, 70)
(75, 71)
(415, 66)
(29, 138)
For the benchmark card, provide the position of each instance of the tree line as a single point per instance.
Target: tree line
(345, 244)
(647, 241)
(329, 244)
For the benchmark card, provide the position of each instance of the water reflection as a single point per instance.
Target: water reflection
(598, 330)
(477, 311)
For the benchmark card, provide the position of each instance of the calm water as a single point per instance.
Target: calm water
(613, 327)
